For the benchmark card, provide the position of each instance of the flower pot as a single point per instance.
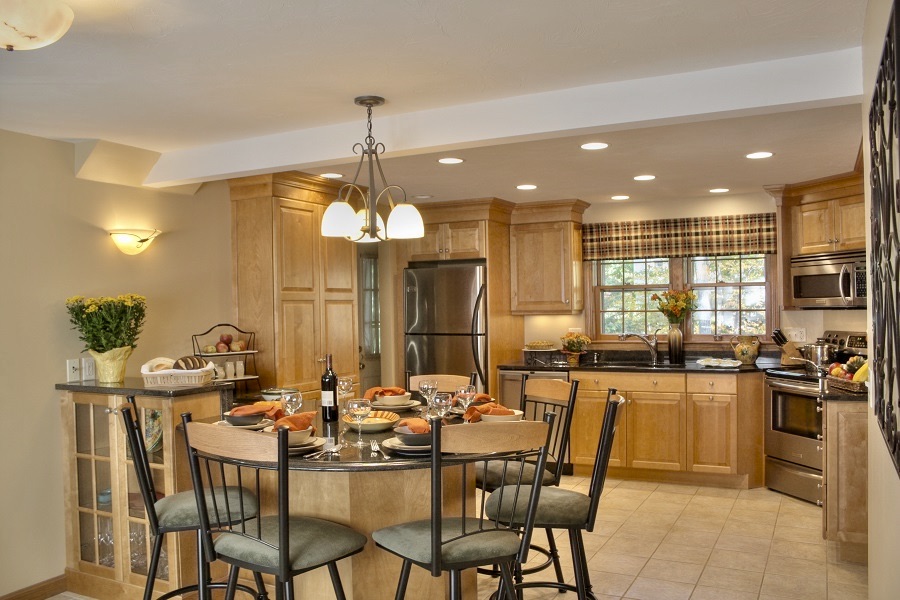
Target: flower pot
(573, 358)
(109, 367)
(676, 344)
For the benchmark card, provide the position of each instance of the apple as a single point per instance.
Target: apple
(226, 338)
(235, 347)
(209, 349)
(833, 366)
(221, 347)
(242, 345)
(848, 375)
(837, 372)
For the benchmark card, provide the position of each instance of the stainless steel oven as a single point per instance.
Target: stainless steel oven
(793, 433)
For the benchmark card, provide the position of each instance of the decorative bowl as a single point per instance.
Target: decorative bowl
(516, 416)
(241, 420)
(409, 438)
(393, 400)
(295, 438)
(277, 393)
(378, 420)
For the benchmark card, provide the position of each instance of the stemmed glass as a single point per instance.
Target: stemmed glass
(464, 395)
(345, 386)
(291, 403)
(359, 409)
(428, 388)
(442, 403)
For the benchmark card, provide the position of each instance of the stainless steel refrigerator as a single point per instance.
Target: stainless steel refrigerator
(445, 319)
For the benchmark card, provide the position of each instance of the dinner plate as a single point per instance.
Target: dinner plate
(396, 407)
(261, 425)
(726, 363)
(313, 443)
(400, 448)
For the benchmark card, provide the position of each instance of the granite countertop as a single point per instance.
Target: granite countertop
(135, 386)
(690, 366)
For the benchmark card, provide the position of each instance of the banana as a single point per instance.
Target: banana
(862, 373)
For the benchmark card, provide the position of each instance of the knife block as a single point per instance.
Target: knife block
(788, 351)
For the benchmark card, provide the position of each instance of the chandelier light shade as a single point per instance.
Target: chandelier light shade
(30, 24)
(133, 241)
(365, 225)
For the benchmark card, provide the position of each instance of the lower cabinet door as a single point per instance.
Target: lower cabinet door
(712, 433)
(656, 425)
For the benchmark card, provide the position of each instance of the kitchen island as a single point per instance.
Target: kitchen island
(107, 535)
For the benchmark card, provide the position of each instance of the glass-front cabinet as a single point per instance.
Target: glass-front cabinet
(109, 539)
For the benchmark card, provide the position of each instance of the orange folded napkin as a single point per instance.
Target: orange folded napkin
(473, 413)
(247, 410)
(273, 408)
(415, 425)
(481, 398)
(298, 422)
(383, 391)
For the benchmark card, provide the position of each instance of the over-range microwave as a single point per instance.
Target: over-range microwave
(831, 280)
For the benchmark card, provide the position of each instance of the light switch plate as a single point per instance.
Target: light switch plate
(87, 368)
(73, 369)
(795, 334)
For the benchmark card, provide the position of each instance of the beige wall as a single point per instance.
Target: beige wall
(53, 245)
(884, 484)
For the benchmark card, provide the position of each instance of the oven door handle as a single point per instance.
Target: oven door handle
(804, 390)
(845, 269)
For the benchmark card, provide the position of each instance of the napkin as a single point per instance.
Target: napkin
(297, 422)
(415, 425)
(473, 413)
(273, 408)
(383, 391)
(247, 410)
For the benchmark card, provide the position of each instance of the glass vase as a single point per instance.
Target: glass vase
(676, 344)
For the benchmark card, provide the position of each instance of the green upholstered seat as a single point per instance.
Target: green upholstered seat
(179, 511)
(558, 508)
(493, 477)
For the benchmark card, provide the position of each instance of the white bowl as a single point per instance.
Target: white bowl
(378, 420)
(277, 393)
(295, 438)
(516, 416)
(393, 400)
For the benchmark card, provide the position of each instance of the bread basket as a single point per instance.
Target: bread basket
(175, 377)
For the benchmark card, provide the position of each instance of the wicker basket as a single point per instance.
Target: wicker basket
(177, 377)
(857, 387)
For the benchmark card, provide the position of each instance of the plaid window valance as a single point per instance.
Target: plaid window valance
(672, 238)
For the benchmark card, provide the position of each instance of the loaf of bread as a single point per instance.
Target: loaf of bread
(189, 363)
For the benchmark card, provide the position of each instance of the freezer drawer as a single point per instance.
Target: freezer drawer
(510, 391)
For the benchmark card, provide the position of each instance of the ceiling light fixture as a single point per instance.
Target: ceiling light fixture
(645, 177)
(526, 186)
(719, 190)
(133, 241)
(332, 175)
(594, 146)
(30, 24)
(450, 160)
(366, 225)
(621, 197)
(756, 155)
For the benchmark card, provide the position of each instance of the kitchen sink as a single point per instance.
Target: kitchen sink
(613, 365)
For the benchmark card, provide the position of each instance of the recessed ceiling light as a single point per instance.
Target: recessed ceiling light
(621, 197)
(755, 155)
(331, 175)
(423, 196)
(594, 146)
(719, 190)
(450, 160)
(526, 186)
(645, 177)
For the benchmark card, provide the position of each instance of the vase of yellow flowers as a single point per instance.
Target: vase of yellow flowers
(573, 345)
(675, 305)
(109, 328)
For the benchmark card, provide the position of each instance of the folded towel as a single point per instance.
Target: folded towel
(383, 391)
(297, 422)
(473, 414)
(415, 425)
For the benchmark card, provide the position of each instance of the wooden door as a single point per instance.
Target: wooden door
(846, 494)
(813, 227)
(585, 433)
(430, 247)
(656, 425)
(464, 240)
(712, 433)
(850, 223)
(541, 279)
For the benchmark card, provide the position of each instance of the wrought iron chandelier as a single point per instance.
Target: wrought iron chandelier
(366, 225)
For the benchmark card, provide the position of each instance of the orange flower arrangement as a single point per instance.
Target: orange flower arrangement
(676, 304)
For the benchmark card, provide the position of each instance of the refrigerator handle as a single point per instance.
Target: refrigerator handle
(475, 354)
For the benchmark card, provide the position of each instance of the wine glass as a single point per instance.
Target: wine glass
(291, 403)
(428, 388)
(345, 386)
(464, 396)
(359, 409)
(441, 404)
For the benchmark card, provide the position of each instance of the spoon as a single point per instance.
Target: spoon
(376, 448)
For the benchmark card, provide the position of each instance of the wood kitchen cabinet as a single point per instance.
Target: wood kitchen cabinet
(845, 479)
(830, 226)
(545, 258)
(712, 417)
(108, 538)
(450, 241)
(293, 287)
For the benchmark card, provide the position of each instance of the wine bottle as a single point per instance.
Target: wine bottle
(329, 389)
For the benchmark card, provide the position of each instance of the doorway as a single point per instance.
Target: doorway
(369, 317)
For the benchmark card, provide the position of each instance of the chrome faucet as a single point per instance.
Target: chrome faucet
(651, 342)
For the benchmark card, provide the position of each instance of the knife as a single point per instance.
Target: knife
(780, 338)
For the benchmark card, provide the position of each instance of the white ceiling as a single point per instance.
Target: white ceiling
(679, 88)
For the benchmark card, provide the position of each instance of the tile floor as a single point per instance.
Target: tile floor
(674, 542)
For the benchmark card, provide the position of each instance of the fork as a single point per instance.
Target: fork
(335, 450)
(376, 448)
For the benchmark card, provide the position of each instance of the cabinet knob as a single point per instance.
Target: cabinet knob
(596, 382)
(710, 398)
(567, 300)
(818, 503)
(654, 382)
(819, 437)
(818, 409)
(440, 250)
(628, 401)
(819, 448)
(712, 383)
(112, 411)
(819, 485)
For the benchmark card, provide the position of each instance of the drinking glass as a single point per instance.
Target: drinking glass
(428, 388)
(291, 403)
(464, 396)
(345, 386)
(441, 404)
(359, 409)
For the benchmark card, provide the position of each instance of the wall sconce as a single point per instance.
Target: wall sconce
(133, 241)
(30, 24)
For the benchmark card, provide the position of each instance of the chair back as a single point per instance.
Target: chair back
(540, 396)
(445, 383)
(240, 460)
(611, 417)
(471, 448)
(135, 439)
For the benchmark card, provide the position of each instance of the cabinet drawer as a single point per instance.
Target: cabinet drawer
(630, 382)
(712, 384)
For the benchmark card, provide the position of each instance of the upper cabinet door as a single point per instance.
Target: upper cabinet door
(850, 223)
(546, 268)
(814, 228)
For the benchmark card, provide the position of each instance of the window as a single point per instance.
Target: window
(370, 305)
(731, 294)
